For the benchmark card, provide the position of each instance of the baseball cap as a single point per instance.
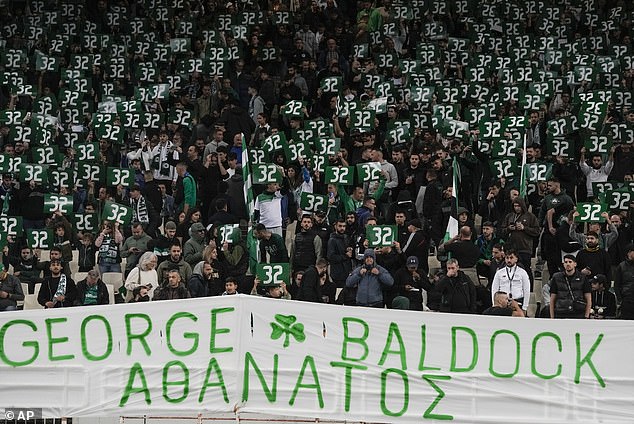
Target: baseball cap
(599, 278)
(412, 261)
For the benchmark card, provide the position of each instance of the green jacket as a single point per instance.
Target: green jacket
(351, 205)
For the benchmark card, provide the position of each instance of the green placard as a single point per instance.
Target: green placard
(266, 173)
(362, 120)
(39, 239)
(182, 117)
(560, 146)
(381, 235)
(10, 164)
(328, 146)
(86, 222)
(590, 212)
(295, 151)
(618, 199)
(270, 274)
(503, 147)
(89, 171)
(598, 144)
(331, 84)
(601, 187)
(115, 212)
(257, 156)
(318, 163)
(506, 167)
(229, 233)
(11, 225)
(274, 143)
(32, 172)
(311, 202)
(339, 175)
(56, 202)
(47, 155)
(110, 132)
(540, 171)
(370, 171)
(119, 176)
(293, 109)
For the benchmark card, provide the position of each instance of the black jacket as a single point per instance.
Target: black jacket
(458, 293)
(49, 287)
(310, 289)
(340, 263)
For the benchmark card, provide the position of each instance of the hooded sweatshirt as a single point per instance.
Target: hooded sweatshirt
(193, 249)
(369, 286)
(522, 240)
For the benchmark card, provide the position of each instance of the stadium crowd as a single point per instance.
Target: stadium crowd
(450, 156)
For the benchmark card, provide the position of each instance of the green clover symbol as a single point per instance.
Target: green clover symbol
(286, 326)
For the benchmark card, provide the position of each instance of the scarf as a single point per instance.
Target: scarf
(61, 288)
(140, 210)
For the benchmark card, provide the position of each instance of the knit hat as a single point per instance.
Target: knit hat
(629, 248)
(169, 225)
(369, 252)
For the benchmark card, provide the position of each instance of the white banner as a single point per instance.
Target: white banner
(249, 354)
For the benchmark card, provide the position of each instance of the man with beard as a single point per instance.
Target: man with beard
(26, 268)
(10, 290)
(340, 254)
(520, 227)
(414, 176)
(174, 262)
(512, 280)
(193, 249)
(202, 283)
(58, 290)
(134, 246)
(569, 290)
(485, 243)
(555, 206)
(306, 249)
(143, 211)
(174, 289)
(597, 171)
(161, 245)
(593, 260)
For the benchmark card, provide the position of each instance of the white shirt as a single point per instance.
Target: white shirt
(514, 281)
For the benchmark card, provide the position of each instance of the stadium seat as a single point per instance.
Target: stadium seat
(30, 300)
(114, 278)
(110, 293)
(78, 276)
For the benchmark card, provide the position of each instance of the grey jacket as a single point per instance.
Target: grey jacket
(369, 286)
